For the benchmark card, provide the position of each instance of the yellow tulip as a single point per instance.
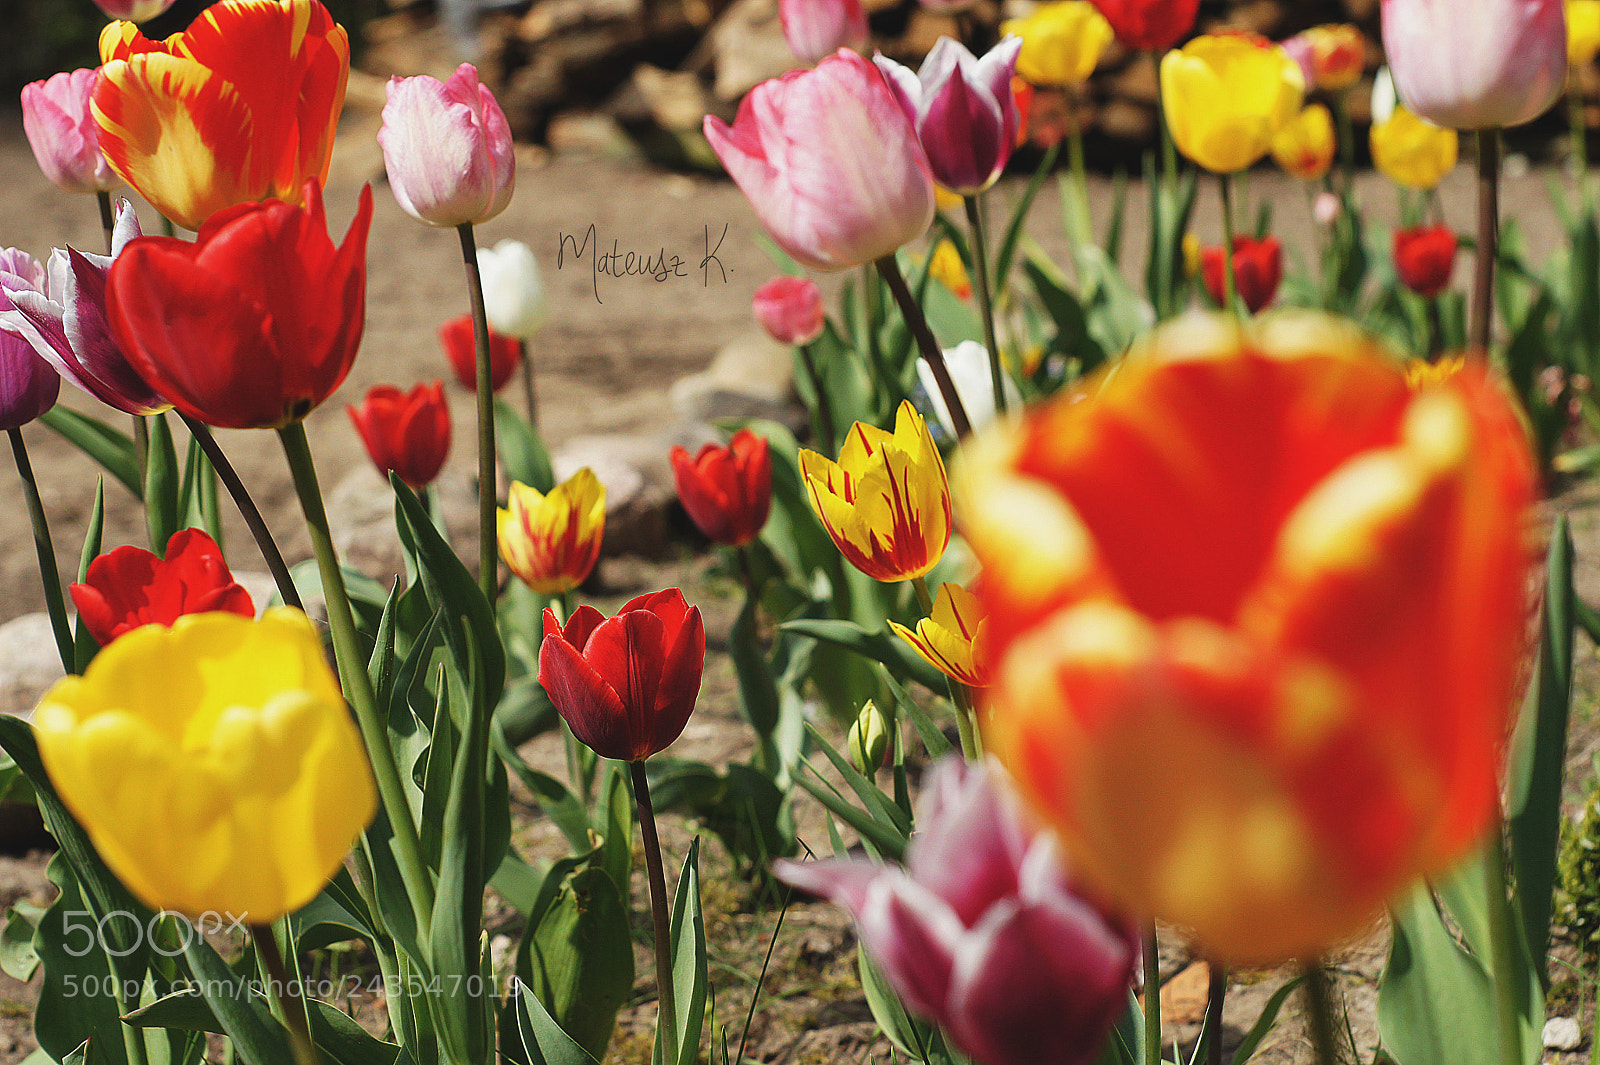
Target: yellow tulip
(1062, 42)
(1226, 96)
(1583, 31)
(952, 639)
(213, 764)
(552, 541)
(1304, 147)
(886, 502)
(1411, 151)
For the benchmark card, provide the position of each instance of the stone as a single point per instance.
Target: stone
(743, 48)
(1562, 1033)
(29, 663)
(751, 377)
(636, 470)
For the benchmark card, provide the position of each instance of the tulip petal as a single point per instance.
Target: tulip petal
(592, 708)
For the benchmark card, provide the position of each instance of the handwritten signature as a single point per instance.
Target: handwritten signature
(657, 265)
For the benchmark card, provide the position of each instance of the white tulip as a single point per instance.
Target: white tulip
(968, 363)
(513, 296)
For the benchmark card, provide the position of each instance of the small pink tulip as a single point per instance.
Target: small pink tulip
(962, 109)
(1487, 64)
(447, 148)
(830, 163)
(790, 308)
(818, 28)
(63, 133)
(133, 10)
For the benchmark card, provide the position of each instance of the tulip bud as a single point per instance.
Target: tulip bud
(1304, 147)
(1331, 57)
(551, 542)
(868, 741)
(727, 491)
(1257, 270)
(953, 639)
(513, 296)
(790, 308)
(407, 433)
(816, 29)
(447, 149)
(460, 346)
(63, 133)
(1424, 257)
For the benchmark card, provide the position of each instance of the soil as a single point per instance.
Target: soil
(612, 347)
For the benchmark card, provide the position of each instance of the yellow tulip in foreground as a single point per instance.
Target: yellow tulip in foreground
(213, 764)
(1412, 152)
(886, 502)
(1226, 96)
(952, 639)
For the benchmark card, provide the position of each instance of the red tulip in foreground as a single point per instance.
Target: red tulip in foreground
(1257, 270)
(253, 324)
(1257, 608)
(407, 433)
(1424, 257)
(726, 490)
(829, 162)
(626, 684)
(130, 587)
(455, 336)
(983, 931)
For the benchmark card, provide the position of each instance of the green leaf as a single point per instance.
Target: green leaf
(83, 644)
(161, 482)
(1008, 243)
(882, 646)
(931, 735)
(1264, 1023)
(687, 935)
(77, 1002)
(883, 838)
(522, 451)
(542, 1038)
(758, 691)
(111, 448)
(18, 959)
(257, 1036)
(1071, 337)
(581, 958)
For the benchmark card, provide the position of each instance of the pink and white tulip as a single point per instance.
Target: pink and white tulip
(28, 385)
(816, 29)
(63, 134)
(790, 309)
(829, 162)
(447, 148)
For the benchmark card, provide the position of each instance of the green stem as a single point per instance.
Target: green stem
(530, 392)
(1347, 141)
(108, 218)
(488, 555)
(980, 277)
(1082, 221)
(247, 510)
(357, 683)
(1229, 286)
(1152, 994)
(1579, 130)
(291, 1009)
(667, 1018)
(1502, 945)
(49, 575)
(825, 427)
(918, 324)
(1488, 238)
(1216, 998)
(1319, 1002)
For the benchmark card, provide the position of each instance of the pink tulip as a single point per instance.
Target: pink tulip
(982, 931)
(28, 385)
(447, 148)
(63, 133)
(818, 28)
(1487, 64)
(133, 10)
(962, 109)
(830, 163)
(790, 308)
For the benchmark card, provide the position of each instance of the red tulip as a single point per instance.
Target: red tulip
(1257, 269)
(253, 324)
(727, 490)
(405, 432)
(1149, 25)
(625, 684)
(1424, 257)
(130, 586)
(455, 336)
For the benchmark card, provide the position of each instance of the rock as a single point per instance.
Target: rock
(1562, 1033)
(29, 663)
(744, 47)
(751, 377)
(662, 112)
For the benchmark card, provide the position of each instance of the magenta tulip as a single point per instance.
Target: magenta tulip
(983, 931)
(790, 309)
(133, 10)
(1487, 64)
(963, 110)
(818, 28)
(447, 148)
(28, 384)
(63, 134)
(65, 321)
(830, 163)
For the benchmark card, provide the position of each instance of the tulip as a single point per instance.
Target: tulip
(133, 10)
(1413, 152)
(213, 764)
(1331, 57)
(1424, 257)
(1257, 270)
(945, 266)
(1304, 147)
(1149, 25)
(886, 502)
(1256, 609)
(726, 490)
(968, 363)
(407, 433)
(253, 324)
(552, 541)
(456, 337)
(447, 148)
(130, 587)
(1226, 96)
(65, 321)
(1062, 42)
(626, 684)
(983, 931)
(962, 110)
(953, 638)
(28, 384)
(62, 132)
(1583, 31)
(818, 28)
(867, 742)
(829, 162)
(241, 106)
(513, 297)
(790, 309)
(1492, 63)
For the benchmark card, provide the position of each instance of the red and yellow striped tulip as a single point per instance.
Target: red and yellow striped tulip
(953, 638)
(552, 541)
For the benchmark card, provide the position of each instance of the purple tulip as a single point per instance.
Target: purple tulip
(962, 109)
(63, 133)
(818, 28)
(133, 10)
(982, 931)
(62, 315)
(1487, 64)
(447, 148)
(28, 385)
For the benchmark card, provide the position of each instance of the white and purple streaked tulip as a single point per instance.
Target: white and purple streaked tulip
(28, 385)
